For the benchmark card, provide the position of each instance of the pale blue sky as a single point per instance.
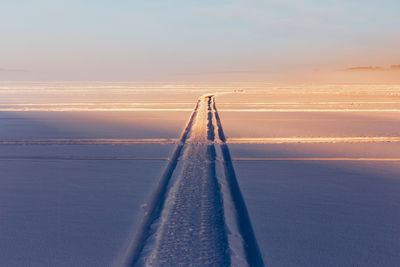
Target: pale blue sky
(192, 40)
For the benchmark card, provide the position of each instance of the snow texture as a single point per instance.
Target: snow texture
(197, 215)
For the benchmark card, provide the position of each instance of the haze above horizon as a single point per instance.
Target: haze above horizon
(273, 40)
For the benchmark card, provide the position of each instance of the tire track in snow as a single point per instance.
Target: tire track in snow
(197, 215)
(156, 201)
(252, 251)
(191, 228)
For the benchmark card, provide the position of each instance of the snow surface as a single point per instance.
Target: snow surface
(80, 124)
(88, 203)
(185, 223)
(324, 213)
(70, 212)
(306, 209)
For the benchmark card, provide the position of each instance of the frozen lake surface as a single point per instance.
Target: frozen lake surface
(71, 212)
(318, 167)
(308, 213)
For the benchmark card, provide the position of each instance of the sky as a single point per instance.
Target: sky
(128, 40)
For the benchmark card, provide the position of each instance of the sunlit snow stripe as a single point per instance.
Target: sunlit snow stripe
(244, 140)
(99, 103)
(91, 109)
(307, 110)
(86, 141)
(316, 159)
(57, 157)
(286, 140)
(345, 103)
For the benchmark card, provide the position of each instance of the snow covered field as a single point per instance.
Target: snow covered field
(321, 177)
(318, 168)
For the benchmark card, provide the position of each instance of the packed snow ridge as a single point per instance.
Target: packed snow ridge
(196, 215)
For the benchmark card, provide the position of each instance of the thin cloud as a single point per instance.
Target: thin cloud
(12, 70)
(369, 68)
(373, 68)
(233, 72)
